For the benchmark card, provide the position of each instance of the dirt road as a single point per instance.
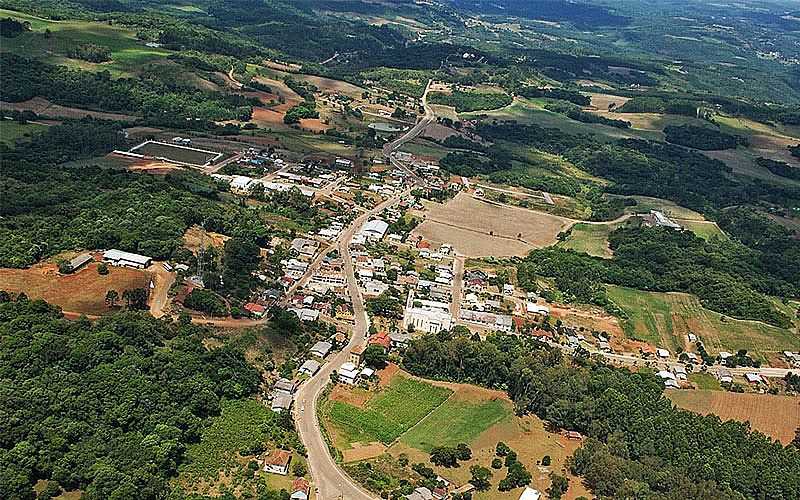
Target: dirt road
(162, 281)
(416, 130)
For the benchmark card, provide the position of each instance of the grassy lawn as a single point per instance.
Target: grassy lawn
(389, 413)
(127, 53)
(456, 422)
(705, 381)
(10, 131)
(705, 230)
(663, 320)
(669, 208)
(589, 238)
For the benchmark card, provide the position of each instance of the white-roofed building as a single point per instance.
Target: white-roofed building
(127, 259)
(348, 373)
(321, 348)
(374, 229)
(310, 367)
(499, 322)
(530, 494)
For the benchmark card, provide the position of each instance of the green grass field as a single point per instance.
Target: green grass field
(10, 131)
(456, 422)
(389, 413)
(589, 238)
(705, 230)
(705, 381)
(669, 208)
(663, 320)
(127, 53)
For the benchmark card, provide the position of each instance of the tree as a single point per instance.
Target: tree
(64, 267)
(444, 456)
(375, 356)
(111, 298)
(480, 477)
(796, 440)
(502, 449)
(136, 298)
(546, 460)
(463, 451)
(102, 268)
(497, 463)
(299, 469)
(558, 486)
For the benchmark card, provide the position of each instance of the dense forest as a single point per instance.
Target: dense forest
(640, 446)
(105, 407)
(727, 276)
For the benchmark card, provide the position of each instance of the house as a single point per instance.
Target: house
(530, 494)
(241, 184)
(348, 373)
(281, 402)
(724, 376)
(574, 435)
(680, 372)
(508, 289)
(476, 285)
(343, 163)
(277, 462)
(753, 378)
(658, 219)
(669, 379)
(126, 259)
(305, 246)
(662, 353)
(461, 490)
(400, 339)
(300, 489)
(254, 309)
(367, 372)
(80, 261)
(357, 355)
(382, 339)
(305, 314)
(285, 386)
(310, 367)
(420, 493)
(321, 349)
(534, 308)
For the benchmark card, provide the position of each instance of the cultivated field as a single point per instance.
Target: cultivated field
(43, 107)
(178, 154)
(775, 416)
(664, 319)
(479, 229)
(83, 292)
(473, 415)
(590, 238)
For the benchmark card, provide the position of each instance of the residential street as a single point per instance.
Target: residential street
(331, 481)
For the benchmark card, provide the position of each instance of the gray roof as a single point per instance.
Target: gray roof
(80, 260)
(281, 402)
(284, 385)
(310, 366)
(321, 348)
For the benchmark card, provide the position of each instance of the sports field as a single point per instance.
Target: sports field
(664, 319)
(478, 228)
(178, 154)
(775, 416)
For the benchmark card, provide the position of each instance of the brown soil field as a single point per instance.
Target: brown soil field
(775, 416)
(291, 68)
(313, 125)
(42, 106)
(438, 132)
(350, 396)
(83, 292)
(479, 229)
(360, 451)
(195, 236)
(601, 101)
(331, 86)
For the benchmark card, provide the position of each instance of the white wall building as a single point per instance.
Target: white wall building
(126, 259)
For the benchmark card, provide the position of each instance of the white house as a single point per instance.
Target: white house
(374, 229)
(662, 353)
(277, 462)
(321, 348)
(348, 373)
(530, 494)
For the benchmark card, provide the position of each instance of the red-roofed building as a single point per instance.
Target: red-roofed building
(423, 244)
(254, 309)
(277, 462)
(382, 339)
(300, 489)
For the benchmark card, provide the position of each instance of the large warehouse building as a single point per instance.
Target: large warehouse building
(127, 259)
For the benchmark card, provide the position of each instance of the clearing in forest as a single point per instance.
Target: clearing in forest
(775, 416)
(83, 292)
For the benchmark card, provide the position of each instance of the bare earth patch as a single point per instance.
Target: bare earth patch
(83, 292)
(361, 451)
(478, 228)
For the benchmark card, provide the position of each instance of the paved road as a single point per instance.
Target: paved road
(416, 130)
(331, 481)
(458, 286)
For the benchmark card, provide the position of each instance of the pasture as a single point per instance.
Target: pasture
(128, 54)
(12, 131)
(775, 416)
(478, 228)
(664, 319)
(83, 292)
(590, 238)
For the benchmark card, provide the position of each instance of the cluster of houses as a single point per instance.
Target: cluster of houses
(283, 390)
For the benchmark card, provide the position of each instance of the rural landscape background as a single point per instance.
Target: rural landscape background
(401, 249)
